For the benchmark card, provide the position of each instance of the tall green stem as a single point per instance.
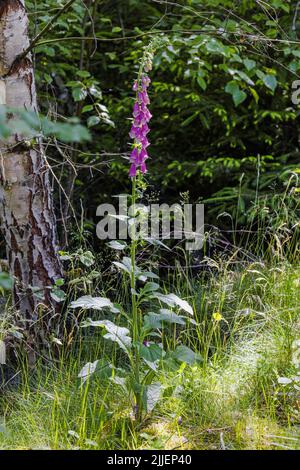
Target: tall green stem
(135, 319)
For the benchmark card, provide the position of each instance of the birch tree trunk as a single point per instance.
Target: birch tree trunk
(26, 208)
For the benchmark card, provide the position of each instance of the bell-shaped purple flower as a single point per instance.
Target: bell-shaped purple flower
(136, 109)
(145, 142)
(145, 129)
(135, 132)
(145, 81)
(143, 97)
(134, 155)
(143, 168)
(139, 120)
(132, 171)
(143, 155)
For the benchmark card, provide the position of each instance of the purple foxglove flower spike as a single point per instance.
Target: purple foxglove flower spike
(140, 128)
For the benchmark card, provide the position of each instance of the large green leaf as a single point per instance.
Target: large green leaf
(96, 303)
(184, 354)
(172, 300)
(237, 94)
(152, 352)
(270, 81)
(155, 320)
(115, 333)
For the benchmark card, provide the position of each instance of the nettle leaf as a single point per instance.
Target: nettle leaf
(184, 354)
(96, 303)
(172, 300)
(115, 333)
(237, 94)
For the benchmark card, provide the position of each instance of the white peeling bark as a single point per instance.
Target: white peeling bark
(26, 209)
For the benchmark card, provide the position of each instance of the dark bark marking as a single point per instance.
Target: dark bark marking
(9, 5)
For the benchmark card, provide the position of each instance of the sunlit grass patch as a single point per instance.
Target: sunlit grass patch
(232, 399)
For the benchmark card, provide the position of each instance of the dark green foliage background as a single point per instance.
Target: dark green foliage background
(220, 95)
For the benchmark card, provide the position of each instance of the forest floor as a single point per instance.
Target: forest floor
(244, 395)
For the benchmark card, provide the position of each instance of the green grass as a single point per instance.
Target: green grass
(231, 400)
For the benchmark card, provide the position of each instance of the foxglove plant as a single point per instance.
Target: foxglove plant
(138, 132)
(145, 355)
